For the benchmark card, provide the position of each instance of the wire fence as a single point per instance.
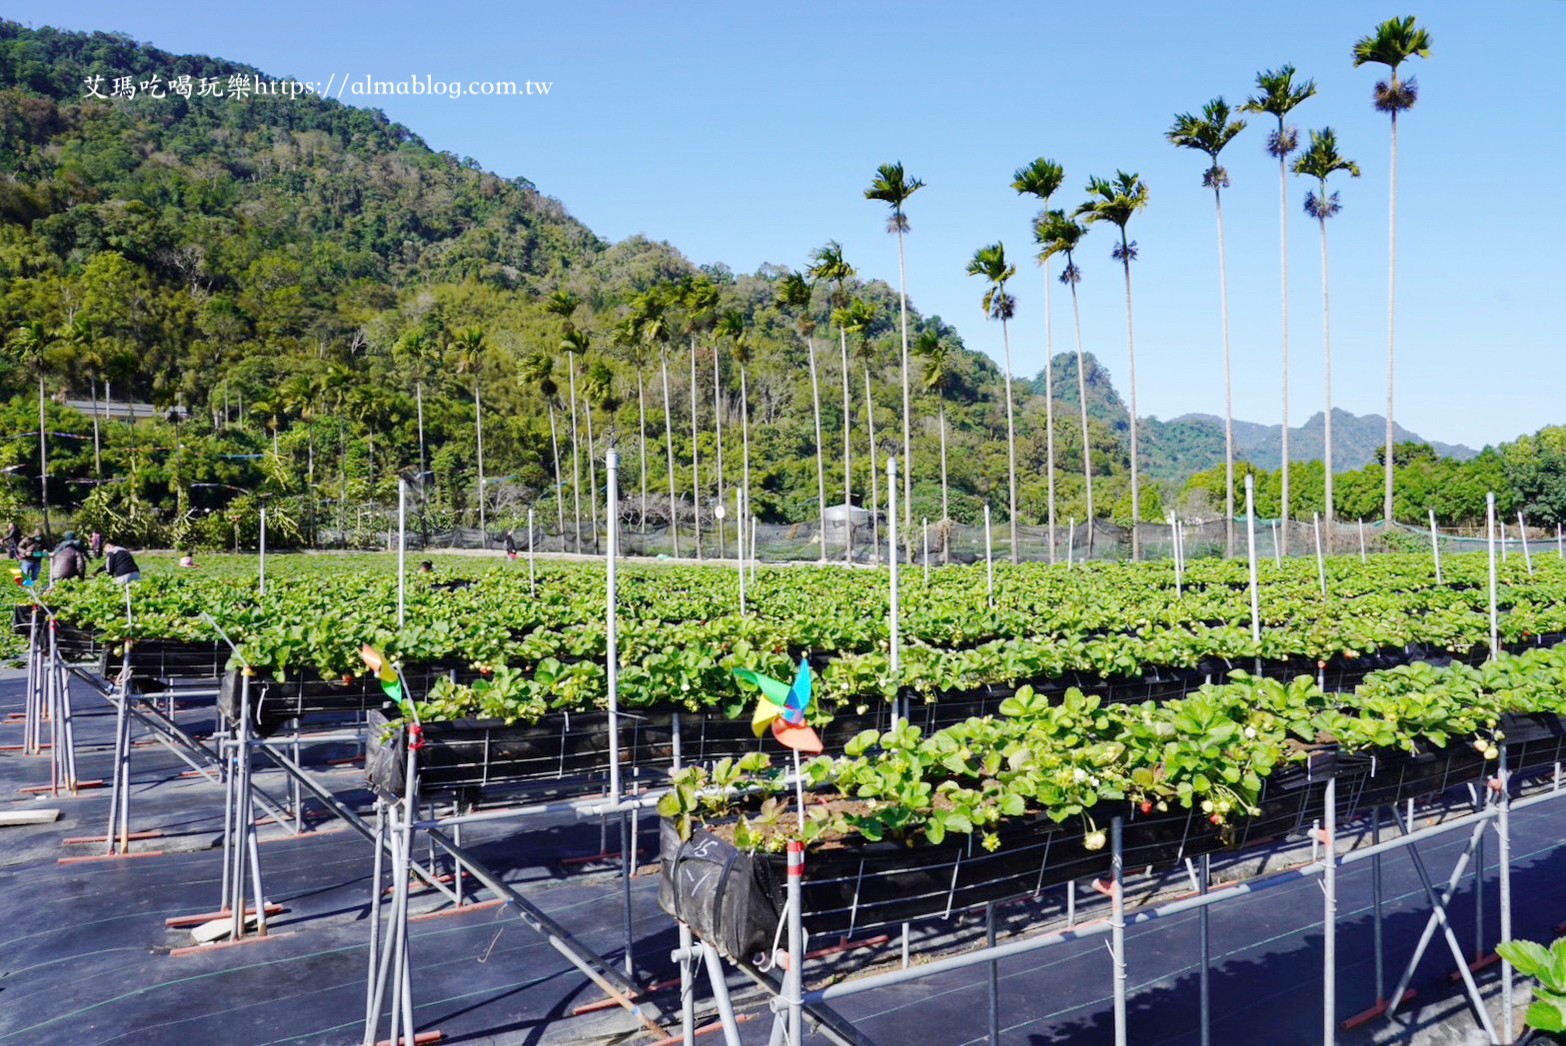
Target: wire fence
(375, 527)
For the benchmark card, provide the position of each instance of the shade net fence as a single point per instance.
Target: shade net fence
(867, 542)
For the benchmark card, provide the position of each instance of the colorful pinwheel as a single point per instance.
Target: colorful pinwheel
(384, 671)
(20, 578)
(783, 707)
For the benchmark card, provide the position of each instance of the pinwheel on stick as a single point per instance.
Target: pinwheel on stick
(782, 708)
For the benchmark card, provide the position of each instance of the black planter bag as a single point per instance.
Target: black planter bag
(274, 702)
(732, 900)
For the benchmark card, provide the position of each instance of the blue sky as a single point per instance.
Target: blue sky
(745, 133)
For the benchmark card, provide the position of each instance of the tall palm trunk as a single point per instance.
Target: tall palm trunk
(418, 398)
(1049, 404)
(1011, 447)
(902, 300)
(875, 498)
(745, 513)
(668, 442)
(1136, 493)
(1087, 444)
(97, 446)
(695, 454)
(946, 512)
(1326, 330)
(43, 453)
(576, 459)
(478, 424)
(1283, 237)
(592, 471)
(1386, 504)
(815, 403)
(848, 429)
(554, 442)
(641, 432)
(1228, 385)
(717, 423)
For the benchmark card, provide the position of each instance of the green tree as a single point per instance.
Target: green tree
(698, 300)
(1041, 179)
(1057, 234)
(856, 319)
(827, 263)
(29, 346)
(574, 343)
(1391, 44)
(1320, 161)
(1278, 94)
(793, 298)
(537, 372)
(892, 186)
(734, 331)
(1209, 134)
(989, 263)
(1117, 201)
(469, 345)
(938, 357)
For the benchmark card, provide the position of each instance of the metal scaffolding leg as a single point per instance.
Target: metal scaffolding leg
(1329, 916)
(1503, 831)
(1439, 920)
(1117, 923)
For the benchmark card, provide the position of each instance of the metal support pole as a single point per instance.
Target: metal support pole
(402, 553)
(720, 995)
(794, 984)
(1329, 916)
(1503, 831)
(1250, 544)
(687, 989)
(612, 671)
(1435, 547)
(1071, 540)
(994, 971)
(1204, 881)
(895, 615)
(1117, 923)
(989, 559)
(1362, 557)
(262, 582)
(1377, 931)
(1522, 536)
(927, 552)
(1495, 619)
(532, 575)
(739, 541)
(1321, 563)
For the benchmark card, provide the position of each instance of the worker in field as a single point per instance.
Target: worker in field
(31, 552)
(511, 545)
(120, 564)
(13, 538)
(70, 539)
(95, 544)
(68, 561)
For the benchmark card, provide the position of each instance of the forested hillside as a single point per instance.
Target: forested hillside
(317, 288)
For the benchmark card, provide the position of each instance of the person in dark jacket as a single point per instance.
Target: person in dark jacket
(32, 552)
(70, 539)
(511, 545)
(68, 563)
(13, 538)
(120, 564)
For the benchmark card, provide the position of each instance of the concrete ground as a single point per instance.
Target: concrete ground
(85, 955)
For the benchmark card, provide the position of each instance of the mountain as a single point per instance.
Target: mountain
(1357, 439)
(1175, 449)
